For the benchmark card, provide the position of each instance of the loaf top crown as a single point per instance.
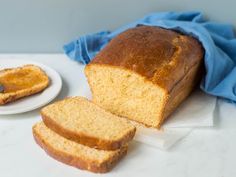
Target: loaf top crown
(160, 55)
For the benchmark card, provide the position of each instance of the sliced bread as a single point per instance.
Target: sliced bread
(21, 82)
(75, 154)
(145, 73)
(82, 121)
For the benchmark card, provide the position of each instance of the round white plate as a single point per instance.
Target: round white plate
(34, 101)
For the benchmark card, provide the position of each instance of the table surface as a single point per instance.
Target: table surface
(206, 152)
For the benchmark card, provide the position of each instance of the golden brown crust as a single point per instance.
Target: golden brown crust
(182, 90)
(15, 95)
(162, 56)
(86, 139)
(79, 162)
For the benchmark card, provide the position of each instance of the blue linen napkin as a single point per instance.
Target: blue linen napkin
(217, 39)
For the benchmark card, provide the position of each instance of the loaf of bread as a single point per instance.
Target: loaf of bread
(82, 121)
(21, 82)
(75, 154)
(145, 72)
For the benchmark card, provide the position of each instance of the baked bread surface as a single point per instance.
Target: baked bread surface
(145, 73)
(162, 56)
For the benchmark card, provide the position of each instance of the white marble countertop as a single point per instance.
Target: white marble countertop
(206, 152)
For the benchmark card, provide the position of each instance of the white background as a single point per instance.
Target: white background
(45, 25)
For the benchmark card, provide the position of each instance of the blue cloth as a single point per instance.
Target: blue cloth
(217, 39)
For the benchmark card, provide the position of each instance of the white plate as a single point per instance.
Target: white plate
(34, 101)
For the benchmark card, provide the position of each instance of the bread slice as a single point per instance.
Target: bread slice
(145, 73)
(82, 121)
(75, 154)
(21, 82)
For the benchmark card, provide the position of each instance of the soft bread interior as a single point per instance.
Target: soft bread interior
(127, 94)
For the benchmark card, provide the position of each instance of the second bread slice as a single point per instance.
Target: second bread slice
(75, 154)
(82, 121)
